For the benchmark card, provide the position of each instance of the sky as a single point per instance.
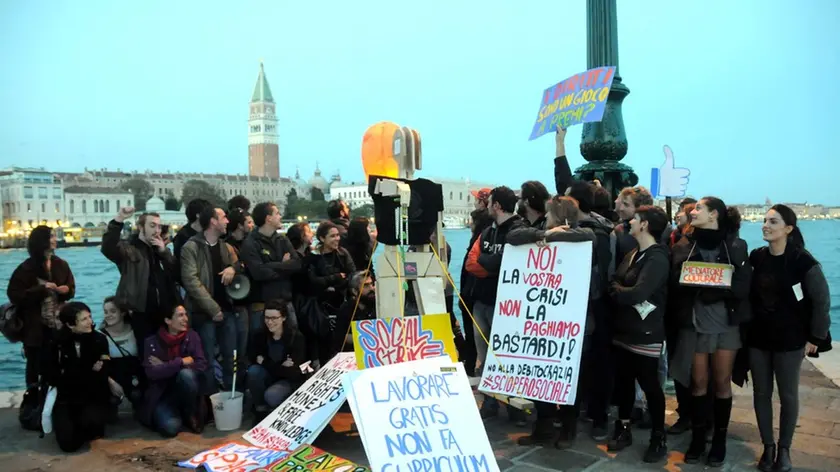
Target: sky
(165, 86)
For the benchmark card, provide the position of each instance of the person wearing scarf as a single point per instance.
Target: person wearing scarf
(174, 362)
(709, 319)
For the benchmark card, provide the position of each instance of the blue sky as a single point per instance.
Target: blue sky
(731, 86)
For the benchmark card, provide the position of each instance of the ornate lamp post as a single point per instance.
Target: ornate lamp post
(604, 144)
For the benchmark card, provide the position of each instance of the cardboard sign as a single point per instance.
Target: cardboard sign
(234, 457)
(668, 180)
(386, 341)
(308, 457)
(539, 322)
(302, 417)
(579, 99)
(706, 274)
(419, 416)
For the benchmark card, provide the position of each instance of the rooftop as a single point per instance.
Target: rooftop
(262, 92)
(99, 190)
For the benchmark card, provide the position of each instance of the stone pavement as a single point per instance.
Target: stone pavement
(129, 447)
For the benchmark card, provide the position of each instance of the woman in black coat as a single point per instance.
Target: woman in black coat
(709, 310)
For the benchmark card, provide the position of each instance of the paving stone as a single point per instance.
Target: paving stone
(553, 459)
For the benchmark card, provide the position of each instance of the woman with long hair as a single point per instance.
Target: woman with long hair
(360, 244)
(38, 287)
(709, 310)
(790, 305)
(329, 276)
(126, 378)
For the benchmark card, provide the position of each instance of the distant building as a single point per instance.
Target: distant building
(263, 148)
(89, 207)
(30, 197)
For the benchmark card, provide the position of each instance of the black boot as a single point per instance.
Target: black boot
(768, 458)
(657, 449)
(542, 433)
(622, 437)
(568, 433)
(717, 453)
(698, 430)
(783, 463)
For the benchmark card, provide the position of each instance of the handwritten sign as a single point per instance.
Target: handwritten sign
(387, 341)
(668, 180)
(302, 417)
(234, 457)
(419, 416)
(539, 322)
(578, 99)
(308, 457)
(706, 274)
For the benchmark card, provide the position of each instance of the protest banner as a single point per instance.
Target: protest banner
(307, 457)
(419, 416)
(234, 457)
(539, 322)
(579, 99)
(302, 417)
(385, 341)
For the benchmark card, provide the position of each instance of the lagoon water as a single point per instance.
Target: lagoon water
(96, 278)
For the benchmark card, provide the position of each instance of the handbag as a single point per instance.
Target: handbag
(11, 323)
(312, 318)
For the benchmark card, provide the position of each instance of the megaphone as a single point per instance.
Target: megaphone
(239, 287)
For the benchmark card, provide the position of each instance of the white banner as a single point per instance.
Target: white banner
(539, 322)
(302, 417)
(419, 416)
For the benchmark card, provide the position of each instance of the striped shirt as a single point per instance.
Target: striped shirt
(647, 350)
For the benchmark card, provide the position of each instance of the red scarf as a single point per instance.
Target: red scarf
(172, 342)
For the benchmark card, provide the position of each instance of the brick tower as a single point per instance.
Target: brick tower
(263, 153)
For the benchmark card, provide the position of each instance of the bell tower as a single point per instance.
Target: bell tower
(263, 151)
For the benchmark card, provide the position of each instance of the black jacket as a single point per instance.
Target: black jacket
(325, 271)
(72, 373)
(641, 277)
(491, 246)
(295, 346)
(790, 323)
(263, 259)
(733, 250)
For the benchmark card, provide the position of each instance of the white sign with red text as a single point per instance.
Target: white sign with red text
(539, 322)
(302, 417)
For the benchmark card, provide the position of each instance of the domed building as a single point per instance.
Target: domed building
(167, 217)
(319, 182)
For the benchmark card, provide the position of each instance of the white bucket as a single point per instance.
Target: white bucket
(227, 410)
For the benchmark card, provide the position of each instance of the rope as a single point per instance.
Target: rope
(358, 297)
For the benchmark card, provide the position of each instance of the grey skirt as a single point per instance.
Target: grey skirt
(727, 341)
(690, 342)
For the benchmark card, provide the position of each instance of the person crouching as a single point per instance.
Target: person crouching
(276, 356)
(174, 362)
(78, 369)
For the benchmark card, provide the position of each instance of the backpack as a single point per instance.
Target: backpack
(31, 407)
(11, 324)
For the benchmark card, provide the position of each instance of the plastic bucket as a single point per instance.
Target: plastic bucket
(227, 410)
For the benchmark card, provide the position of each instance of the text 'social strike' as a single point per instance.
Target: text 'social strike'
(578, 99)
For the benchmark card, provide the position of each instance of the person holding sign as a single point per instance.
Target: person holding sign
(790, 305)
(639, 293)
(565, 222)
(709, 291)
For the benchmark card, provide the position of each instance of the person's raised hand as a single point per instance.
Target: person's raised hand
(125, 213)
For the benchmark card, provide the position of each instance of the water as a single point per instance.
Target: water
(96, 278)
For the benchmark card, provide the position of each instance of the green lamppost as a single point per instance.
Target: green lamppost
(604, 144)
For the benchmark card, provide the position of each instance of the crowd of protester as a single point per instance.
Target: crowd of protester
(171, 329)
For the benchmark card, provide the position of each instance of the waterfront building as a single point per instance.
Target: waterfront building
(94, 206)
(30, 197)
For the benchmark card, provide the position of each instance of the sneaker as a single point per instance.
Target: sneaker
(657, 449)
(600, 432)
(622, 437)
(542, 434)
(682, 425)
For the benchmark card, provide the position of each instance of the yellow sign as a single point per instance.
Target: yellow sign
(707, 274)
(387, 341)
